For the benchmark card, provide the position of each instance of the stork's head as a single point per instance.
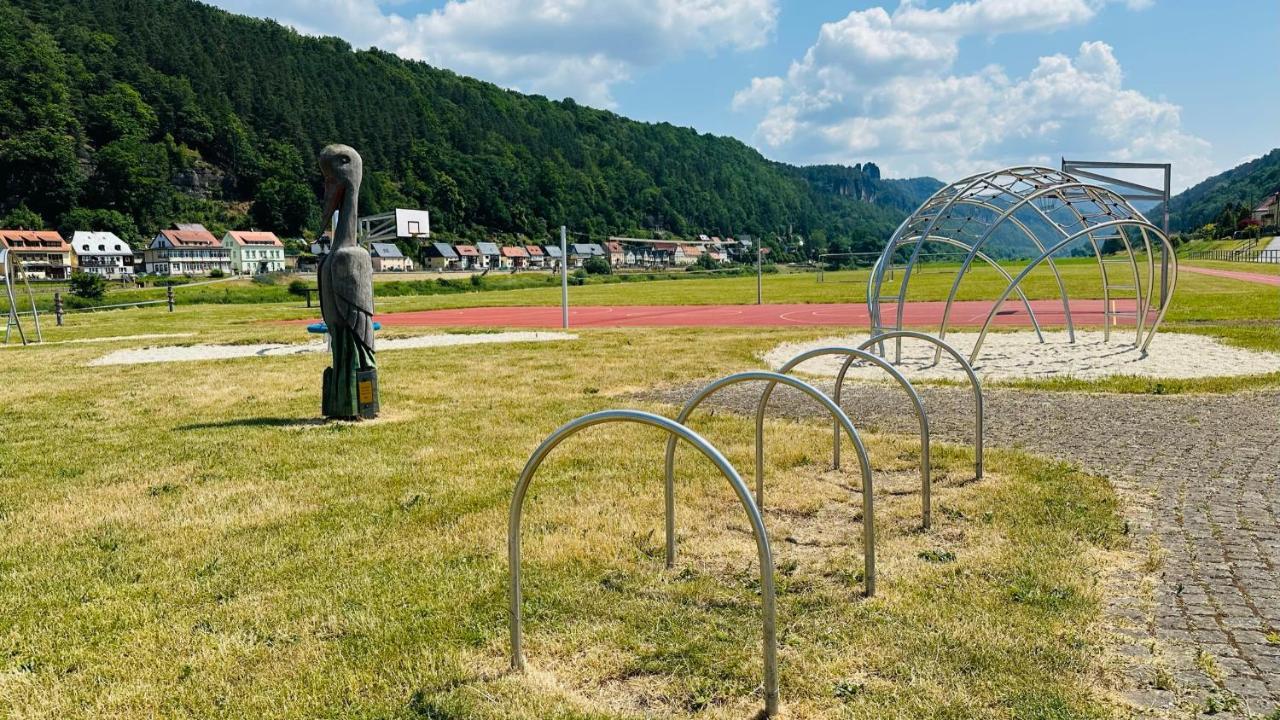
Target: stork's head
(342, 170)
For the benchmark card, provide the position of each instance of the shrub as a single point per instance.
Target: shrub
(217, 273)
(597, 266)
(88, 286)
(299, 288)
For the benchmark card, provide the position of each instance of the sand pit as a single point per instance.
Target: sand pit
(1019, 355)
(189, 353)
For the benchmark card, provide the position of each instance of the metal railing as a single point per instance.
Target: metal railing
(1246, 256)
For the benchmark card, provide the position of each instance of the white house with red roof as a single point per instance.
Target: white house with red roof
(254, 252)
(186, 250)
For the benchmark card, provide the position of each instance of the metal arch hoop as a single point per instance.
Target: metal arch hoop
(978, 402)
(675, 430)
(855, 355)
(864, 462)
(1026, 187)
(1173, 279)
(1022, 202)
(963, 187)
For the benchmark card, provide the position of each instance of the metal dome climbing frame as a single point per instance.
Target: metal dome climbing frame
(1051, 211)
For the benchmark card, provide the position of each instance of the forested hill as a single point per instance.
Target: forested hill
(131, 114)
(1225, 198)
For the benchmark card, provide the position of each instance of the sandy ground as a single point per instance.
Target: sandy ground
(1014, 355)
(176, 353)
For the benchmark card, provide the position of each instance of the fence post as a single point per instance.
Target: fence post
(57, 307)
(168, 292)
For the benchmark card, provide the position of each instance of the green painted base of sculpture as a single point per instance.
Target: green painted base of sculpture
(351, 384)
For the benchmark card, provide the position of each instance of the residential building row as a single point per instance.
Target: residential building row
(617, 251)
(191, 250)
(185, 249)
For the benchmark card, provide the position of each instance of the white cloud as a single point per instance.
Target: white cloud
(762, 92)
(559, 48)
(881, 86)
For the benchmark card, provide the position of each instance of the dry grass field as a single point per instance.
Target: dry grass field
(186, 540)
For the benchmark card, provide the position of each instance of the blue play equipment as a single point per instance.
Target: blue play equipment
(320, 328)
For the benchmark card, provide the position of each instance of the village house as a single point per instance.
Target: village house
(490, 255)
(186, 250)
(254, 252)
(440, 256)
(102, 253)
(515, 256)
(386, 257)
(469, 257)
(615, 254)
(555, 258)
(537, 258)
(1267, 214)
(684, 254)
(41, 253)
(664, 253)
(580, 252)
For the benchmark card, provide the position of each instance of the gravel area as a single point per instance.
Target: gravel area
(1199, 622)
(189, 353)
(1012, 355)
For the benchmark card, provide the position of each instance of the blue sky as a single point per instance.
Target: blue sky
(942, 87)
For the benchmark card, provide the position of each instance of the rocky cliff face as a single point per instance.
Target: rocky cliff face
(202, 181)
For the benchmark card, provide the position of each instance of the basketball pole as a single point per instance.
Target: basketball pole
(564, 278)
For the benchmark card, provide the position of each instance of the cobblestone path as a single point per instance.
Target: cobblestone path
(1200, 476)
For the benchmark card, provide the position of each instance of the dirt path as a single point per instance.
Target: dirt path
(1201, 478)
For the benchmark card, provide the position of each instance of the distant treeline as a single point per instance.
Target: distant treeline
(127, 115)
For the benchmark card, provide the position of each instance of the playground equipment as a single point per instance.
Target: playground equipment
(10, 266)
(677, 431)
(1052, 211)
(837, 415)
(856, 355)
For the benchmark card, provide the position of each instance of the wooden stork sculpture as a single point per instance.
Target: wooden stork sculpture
(345, 277)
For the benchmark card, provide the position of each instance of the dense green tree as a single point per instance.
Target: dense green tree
(98, 219)
(22, 218)
(167, 87)
(120, 112)
(38, 128)
(284, 203)
(132, 176)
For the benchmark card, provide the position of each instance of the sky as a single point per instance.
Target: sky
(920, 88)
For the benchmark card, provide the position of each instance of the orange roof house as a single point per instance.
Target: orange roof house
(41, 253)
(186, 252)
(254, 251)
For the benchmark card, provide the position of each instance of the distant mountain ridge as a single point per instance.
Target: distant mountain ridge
(1246, 184)
(151, 111)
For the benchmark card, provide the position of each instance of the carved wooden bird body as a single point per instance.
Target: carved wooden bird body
(345, 275)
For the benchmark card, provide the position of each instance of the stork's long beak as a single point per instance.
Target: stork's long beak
(333, 192)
